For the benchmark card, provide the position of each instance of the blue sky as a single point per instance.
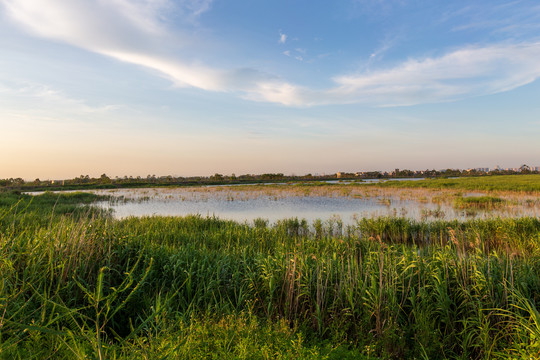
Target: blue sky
(194, 87)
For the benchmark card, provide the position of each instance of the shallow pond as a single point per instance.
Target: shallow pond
(275, 203)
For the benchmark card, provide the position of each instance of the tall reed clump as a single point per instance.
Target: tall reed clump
(88, 286)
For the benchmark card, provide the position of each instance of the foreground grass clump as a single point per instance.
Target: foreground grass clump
(22, 212)
(76, 286)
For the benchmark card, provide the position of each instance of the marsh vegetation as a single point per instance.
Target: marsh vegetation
(79, 283)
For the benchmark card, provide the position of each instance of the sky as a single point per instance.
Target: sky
(197, 87)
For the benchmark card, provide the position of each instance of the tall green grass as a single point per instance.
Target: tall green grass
(527, 183)
(77, 286)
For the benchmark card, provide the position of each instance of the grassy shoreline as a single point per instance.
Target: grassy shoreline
(514, 183)
(529, 183)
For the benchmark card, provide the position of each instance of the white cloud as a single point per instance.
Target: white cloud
(129, 31)
(276, 92)
(94, 25)
(181, 74)
(282, 38)
(135, 31)
(298, 55)
(458, 74)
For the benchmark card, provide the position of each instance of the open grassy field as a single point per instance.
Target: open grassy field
(527, 183)
(78, 284)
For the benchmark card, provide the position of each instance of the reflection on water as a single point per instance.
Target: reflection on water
(273, 203)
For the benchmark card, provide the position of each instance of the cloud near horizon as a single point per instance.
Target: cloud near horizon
(134, 31)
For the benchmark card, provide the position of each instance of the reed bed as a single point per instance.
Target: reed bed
(79, 284)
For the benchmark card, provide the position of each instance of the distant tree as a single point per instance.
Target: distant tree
(83, 179)
(525, 169)
(272, 176)
(373, 175)
(104, 179)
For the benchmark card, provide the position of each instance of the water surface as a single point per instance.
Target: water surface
(348, 204)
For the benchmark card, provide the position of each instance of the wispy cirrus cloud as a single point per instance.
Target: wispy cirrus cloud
(48, 104)
(512, 18)
(468, 72)
(130, 31)
(135, 31)
(197, 7)
(96, 26)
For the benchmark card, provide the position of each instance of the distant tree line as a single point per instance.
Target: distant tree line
(104, 181)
